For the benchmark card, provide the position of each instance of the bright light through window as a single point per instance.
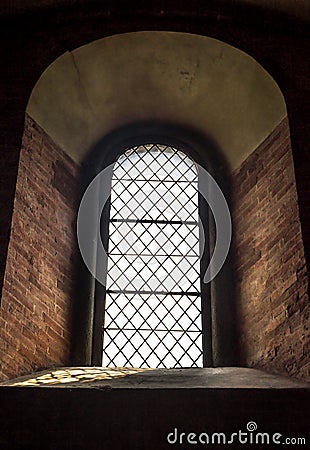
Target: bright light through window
(153, 302)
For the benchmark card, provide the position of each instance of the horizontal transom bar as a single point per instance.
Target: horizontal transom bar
(113, 291)
(170, 222)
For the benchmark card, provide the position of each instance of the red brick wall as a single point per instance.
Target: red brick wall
(271, 277)
(38, 283)
(270, 264)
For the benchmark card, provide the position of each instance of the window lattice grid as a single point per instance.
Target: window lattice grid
(135, 348)
(162, 312)
(148, 329)
(153, 305)
(149, 200)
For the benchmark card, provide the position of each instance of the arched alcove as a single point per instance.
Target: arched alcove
(189, 81)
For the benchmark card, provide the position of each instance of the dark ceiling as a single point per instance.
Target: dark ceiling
(294, 8)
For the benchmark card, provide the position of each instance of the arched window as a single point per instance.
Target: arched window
(154, 308)
(153, 313)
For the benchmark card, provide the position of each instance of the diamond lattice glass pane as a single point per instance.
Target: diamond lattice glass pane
(138, 348)
(153, 273)
(149, 311)
(153, 303)
(153, 239)
(161, 200)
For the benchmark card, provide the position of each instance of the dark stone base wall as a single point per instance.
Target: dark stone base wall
(140, 419)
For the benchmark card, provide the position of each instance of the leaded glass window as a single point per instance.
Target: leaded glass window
(153, 313)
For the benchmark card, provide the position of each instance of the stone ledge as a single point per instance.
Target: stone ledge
(132, 378)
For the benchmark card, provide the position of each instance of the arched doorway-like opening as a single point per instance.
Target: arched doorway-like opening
(202, 85)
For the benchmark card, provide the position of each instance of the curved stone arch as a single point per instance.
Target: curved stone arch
(189, 81)
(194, 83)
(181, 78)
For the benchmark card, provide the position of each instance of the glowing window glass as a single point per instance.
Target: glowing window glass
(153, 301)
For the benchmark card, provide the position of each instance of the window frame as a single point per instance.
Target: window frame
(87, 345)
(204, 309)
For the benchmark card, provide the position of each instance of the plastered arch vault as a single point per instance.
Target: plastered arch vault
(185, 79)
